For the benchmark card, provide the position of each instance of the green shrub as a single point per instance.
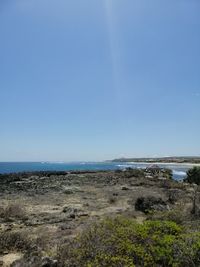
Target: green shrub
(122, 242)
(193, 175)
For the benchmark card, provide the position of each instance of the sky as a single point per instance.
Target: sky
(99, 79)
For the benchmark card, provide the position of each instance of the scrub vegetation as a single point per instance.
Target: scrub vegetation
(123, 242)
(140, 218)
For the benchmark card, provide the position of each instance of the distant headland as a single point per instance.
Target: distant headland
(191, 160)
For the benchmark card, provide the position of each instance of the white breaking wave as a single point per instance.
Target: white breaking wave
(179, 173)
(124, 165)
(53, 162)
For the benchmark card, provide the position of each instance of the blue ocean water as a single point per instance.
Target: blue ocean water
(179, 170)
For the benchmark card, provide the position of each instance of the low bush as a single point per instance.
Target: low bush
(122, 242)
(14, 241)
(138, 173)
(150, 203)
(176, 215)
(15, 211)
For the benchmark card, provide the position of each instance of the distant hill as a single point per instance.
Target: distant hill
(161, 160)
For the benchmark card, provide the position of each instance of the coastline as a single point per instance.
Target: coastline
(34, 167)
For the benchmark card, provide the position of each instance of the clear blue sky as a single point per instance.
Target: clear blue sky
(99, 79)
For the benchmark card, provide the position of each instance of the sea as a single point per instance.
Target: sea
(179, 170)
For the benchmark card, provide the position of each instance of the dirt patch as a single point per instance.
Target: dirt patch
(8, 259)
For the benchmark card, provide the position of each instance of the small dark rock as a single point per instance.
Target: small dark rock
(48, 262)
(72, 216)
(83, 214)
(68, 191)
(125, 188)
(69, 210)
(65, 227)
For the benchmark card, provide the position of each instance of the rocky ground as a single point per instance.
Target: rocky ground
(49, 207)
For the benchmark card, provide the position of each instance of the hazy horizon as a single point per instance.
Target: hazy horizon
(97, 80)
(103, 160)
